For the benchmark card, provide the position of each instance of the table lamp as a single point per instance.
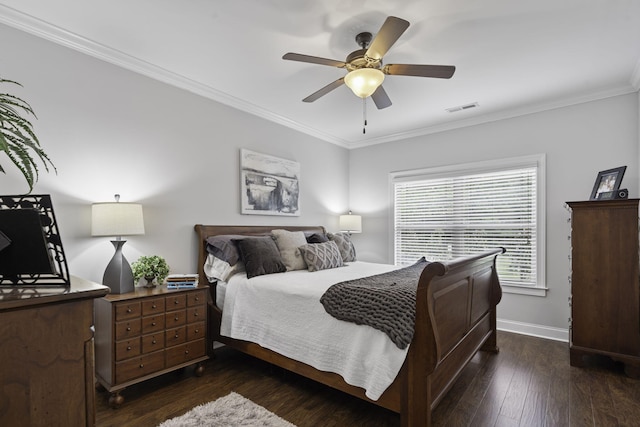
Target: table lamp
(350, 223)
(117, 219)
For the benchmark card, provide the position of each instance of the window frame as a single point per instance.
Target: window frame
(538, 161)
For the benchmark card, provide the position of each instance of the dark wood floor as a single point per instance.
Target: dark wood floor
(529, 383)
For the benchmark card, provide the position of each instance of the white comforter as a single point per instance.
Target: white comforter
(282, 312)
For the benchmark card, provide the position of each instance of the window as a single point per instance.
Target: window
(449, 212)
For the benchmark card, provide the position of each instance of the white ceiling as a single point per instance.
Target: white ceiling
(512, 57)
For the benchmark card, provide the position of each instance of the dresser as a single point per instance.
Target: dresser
(605, 288)
(46, 355)
(151, 331)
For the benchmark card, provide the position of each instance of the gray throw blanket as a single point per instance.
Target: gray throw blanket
(385, 301)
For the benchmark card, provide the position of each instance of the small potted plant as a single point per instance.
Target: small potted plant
(152, 268)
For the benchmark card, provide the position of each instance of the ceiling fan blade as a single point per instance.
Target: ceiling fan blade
(314, 60)
(436, 71)
(380, 98)
(325, 90)
(389, 33)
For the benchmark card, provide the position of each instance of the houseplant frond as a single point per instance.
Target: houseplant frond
(17, 139)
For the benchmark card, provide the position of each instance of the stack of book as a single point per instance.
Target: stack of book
(181, 281)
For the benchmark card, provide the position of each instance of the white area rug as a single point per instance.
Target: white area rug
(230, 410)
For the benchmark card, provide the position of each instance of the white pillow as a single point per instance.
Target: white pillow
(217, 269)
(288, 243)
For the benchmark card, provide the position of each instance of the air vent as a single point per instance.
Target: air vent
(462, 107)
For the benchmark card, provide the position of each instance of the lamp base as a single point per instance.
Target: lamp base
(118, 275)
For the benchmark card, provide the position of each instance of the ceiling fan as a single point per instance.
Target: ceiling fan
(366, 71)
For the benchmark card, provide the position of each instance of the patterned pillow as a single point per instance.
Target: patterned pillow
(288, 243)
(347, 250)
(321, 256)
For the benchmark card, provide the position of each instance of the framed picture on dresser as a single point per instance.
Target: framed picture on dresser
(31, 253)
(607, 183)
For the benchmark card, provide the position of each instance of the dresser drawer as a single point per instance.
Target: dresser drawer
(196, 314)
(152, 342)
(128, 329)
(153, 306)
(176, 302)
(176, 336)
(196, 298)
(175, 318)
(127, 349)
(195, 331)
(127, 310)
(185, 352)
(153, 324)
(139, 366)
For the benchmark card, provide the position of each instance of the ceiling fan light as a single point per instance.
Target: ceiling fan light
(364, 81)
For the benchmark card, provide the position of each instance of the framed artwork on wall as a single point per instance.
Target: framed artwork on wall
(269, 185)
(607, 184)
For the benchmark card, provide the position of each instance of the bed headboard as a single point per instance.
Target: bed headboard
(205, 231)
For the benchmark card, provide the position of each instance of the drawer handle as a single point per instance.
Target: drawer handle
(128, 328)
(176, 318)
(128, 348)
(176, 302)
(186, 352)
(154, 306)
(142, 365)
(153, 323)
(154, 342)
(195, 314)
(197, 331)
(129, 310)
(175, 336)
(197, 299)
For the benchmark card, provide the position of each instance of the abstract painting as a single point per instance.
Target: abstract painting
(269, 185)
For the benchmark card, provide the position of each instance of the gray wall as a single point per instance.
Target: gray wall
(109, 130)
(578, 141)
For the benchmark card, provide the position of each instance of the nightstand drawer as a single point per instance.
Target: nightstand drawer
(127, 349)
(196, 314)
(195, 331)
(186, 352)
(153, 306)
(139, 366)
(128, 310)
(127, 329)
(153, 342)
(175, 318)
(196, 298)
(176, 302)
(176, 336)
(152, 324)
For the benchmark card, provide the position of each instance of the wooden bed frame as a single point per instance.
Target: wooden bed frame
(455, 317)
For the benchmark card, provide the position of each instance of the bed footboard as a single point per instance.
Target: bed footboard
(455, 317)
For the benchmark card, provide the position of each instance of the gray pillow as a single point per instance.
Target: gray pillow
(317, 238)
(347, 250)
(260, 256)
(287, 243)
(223, 247)
(321, 256)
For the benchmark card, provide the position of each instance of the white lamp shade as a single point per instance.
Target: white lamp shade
(351, 223)
(116, 219)
(364, 81)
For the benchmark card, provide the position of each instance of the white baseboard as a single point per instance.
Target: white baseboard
(541, 331)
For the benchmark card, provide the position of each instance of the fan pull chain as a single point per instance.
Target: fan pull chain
(364, 115)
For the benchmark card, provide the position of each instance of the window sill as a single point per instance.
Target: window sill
(524, 290)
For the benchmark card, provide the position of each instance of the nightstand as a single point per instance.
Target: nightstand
(149, 332)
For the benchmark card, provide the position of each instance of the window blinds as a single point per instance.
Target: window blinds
(446, 217)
